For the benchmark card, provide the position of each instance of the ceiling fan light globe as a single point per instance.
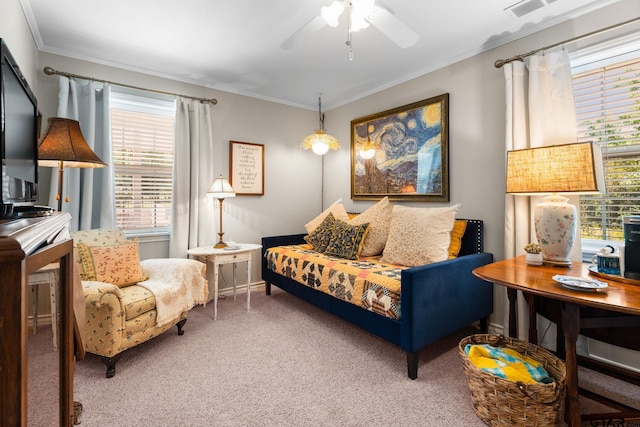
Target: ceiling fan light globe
(358, 23)
(364, 7)
(332, 12)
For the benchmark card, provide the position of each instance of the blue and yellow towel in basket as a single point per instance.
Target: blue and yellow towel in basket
(507, 363)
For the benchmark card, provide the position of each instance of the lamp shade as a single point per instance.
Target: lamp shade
(63, 142)
(320, 142)
(567, 168)
(221, 189)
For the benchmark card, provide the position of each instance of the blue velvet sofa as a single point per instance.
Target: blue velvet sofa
(436, 299)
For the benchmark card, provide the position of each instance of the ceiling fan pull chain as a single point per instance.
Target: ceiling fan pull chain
(349, 33)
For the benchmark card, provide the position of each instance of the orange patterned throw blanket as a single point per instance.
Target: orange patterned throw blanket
(366, 282)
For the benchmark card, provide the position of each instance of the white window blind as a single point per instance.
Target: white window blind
(608, 111)
(142, 138)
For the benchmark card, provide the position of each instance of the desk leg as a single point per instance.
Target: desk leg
(216, 267)
(54, 310)
(249, 283)
(512, 294)
(571, 328)
(533, 320)
(34, 306)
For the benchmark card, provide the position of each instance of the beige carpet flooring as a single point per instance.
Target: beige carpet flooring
(285, 363)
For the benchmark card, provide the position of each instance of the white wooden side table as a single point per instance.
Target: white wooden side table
(232, 254)
(47, 275)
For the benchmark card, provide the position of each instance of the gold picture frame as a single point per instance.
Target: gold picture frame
(410, 153)
(246, 168)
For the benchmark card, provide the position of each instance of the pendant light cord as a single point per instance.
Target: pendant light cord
(320, 114)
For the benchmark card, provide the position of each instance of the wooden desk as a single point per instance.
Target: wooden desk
(26, 245)
(619, 297)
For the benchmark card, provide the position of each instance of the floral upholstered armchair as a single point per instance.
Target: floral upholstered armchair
(129, 301)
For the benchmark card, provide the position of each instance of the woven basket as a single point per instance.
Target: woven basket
(501, 402)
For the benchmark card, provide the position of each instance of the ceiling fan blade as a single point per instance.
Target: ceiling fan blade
(316, 24)
(393, 28)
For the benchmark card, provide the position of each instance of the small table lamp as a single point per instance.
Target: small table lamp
(570, 169)
(221, 189)
(64, 146)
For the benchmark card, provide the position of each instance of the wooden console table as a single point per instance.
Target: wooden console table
(27, 245)
(534, 281)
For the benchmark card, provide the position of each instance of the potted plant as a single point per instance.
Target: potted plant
(533, 254)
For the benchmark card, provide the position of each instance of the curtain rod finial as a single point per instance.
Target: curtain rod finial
(49, 70)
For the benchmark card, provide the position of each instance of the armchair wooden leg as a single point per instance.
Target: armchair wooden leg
(179, 325)
(110, 362)
(267, 288)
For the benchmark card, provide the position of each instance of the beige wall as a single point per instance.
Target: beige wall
(292, 186)
(477, 123)
(293, 178)
(16, 33)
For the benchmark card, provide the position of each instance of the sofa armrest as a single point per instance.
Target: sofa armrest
(273, 241)
(99, 293)
(289, 239)
(440, 298)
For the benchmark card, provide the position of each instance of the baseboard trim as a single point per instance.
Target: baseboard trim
(255, 286)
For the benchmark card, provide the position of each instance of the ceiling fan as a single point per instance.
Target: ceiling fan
(360, 14)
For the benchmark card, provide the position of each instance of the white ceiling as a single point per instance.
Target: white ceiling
(234, 45)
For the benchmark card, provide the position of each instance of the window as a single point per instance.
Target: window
(606, 84)
(142, 131)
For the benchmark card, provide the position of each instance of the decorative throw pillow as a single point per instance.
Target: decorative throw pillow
(95, 237)
(419, 236)
(346, 240)
(321, 236)
(338, 211)
(459, 227)
(118, 265)
(379, 218)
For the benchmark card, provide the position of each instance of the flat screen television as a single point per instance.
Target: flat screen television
(19, 127)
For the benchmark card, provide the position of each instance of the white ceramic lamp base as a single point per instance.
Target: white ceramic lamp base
(555, 224)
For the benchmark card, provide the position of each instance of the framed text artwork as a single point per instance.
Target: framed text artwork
(246, 167)
(402, 153)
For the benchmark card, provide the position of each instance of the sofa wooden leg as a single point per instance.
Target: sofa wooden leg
(179, 325)
(110, 362)
(267, 288)
(412, 364)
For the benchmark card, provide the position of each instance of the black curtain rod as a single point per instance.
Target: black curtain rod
(500, 62)
(50, 71)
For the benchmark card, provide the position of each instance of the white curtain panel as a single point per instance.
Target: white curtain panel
(540, 110)
(192, 219)
(90, 191)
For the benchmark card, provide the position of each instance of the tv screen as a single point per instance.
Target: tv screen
(18, 133)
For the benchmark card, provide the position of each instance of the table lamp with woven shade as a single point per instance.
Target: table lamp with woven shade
(568, 169)
(63, 145)
(221, 189)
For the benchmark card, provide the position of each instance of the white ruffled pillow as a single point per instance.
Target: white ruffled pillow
(419, 236)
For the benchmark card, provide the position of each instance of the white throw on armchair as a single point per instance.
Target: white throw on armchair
(129, 301)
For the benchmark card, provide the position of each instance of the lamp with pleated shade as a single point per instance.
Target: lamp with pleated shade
(64, 146)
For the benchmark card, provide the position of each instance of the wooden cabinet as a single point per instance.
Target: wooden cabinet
(27, 245)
